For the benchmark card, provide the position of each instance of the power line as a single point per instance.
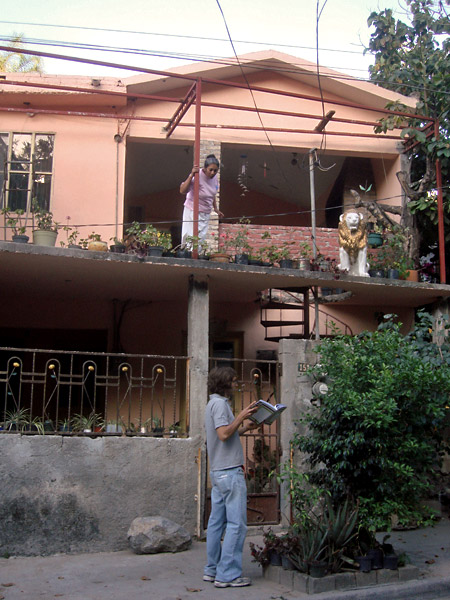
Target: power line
(276, 68)
(170, 35)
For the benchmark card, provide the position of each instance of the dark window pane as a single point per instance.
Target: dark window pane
(43, 153)
(41, 191)
(18, 191)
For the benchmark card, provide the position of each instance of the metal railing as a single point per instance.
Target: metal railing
(63, 392)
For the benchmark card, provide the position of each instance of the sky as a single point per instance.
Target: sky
(180, 31)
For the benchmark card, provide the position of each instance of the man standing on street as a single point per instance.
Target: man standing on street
(229, 491)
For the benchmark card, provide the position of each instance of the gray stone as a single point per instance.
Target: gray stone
(149, 535)
(317, 585)
(272, 573)
(387, 576)
(345, 581)
(286, 578)
(300, 582)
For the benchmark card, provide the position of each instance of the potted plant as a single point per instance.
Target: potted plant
(221, 254)
(146, 240)
(71, 236)
(17, 223)
(64, 426)
(394, 256)
(17, 420)
(374, 234)
(376, 264)
(157, 429)
(114, 426)
(87, 424)
(304, 256)
(94, 243)
(238, 242)
(45, 229)
(285, 256)
(117, 246)
(270, 552)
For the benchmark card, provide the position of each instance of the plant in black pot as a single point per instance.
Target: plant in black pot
(238, 242)
(376, 264)
(17, 223)
(118, 246)
(271, 551)
(147, 240)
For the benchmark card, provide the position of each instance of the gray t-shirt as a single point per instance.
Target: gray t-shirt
(222, 455)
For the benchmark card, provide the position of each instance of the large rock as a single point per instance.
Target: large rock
(149, 535)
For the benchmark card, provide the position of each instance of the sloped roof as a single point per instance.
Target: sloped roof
(332, 82)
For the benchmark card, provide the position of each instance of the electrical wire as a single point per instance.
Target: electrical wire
(228, 62)
(184, 36)
(253, 97)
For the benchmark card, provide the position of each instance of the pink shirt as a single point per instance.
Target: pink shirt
(207, 193)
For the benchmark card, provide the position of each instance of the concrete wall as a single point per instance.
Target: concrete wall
(80, 494)
(295, 386)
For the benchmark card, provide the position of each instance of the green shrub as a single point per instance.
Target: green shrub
(378, 434)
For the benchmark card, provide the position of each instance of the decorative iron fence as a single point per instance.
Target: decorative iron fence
(67, 393)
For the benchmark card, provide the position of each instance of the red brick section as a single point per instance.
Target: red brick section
(327, 239)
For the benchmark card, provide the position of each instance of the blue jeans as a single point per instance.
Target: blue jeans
(229, 517)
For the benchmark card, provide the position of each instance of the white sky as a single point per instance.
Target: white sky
(285, 25)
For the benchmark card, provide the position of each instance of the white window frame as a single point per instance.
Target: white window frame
(34, 176)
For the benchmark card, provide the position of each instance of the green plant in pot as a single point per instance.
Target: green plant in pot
(45, 228)
(393, 255)
(304, 256)
(374, 234)
(17, 223)
(94, 243)
(143, 238)
(157, 428)
(118, 246)
(285, 255)
(238, 242)
(86, 424)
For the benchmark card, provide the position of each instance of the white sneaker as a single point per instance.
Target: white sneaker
(210, 578)
(238, 582)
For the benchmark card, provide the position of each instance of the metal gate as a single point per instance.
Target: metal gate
(257, 379)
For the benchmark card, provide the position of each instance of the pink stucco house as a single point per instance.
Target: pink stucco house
(102, 153)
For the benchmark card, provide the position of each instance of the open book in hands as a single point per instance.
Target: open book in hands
(267, 413)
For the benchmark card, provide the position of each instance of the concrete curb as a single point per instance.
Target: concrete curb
(424, 589)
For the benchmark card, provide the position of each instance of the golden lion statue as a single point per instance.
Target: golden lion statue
(353, 244)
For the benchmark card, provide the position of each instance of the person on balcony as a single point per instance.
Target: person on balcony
(229, 491)
(208, 188)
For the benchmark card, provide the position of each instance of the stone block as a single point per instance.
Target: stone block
(345, 581)
(387, 576)
(286, 578)
(363, 579)
(272, 573)
(300, 582)
(316, 585)
(408, 572)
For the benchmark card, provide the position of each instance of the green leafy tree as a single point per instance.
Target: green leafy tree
(16, 62)
(378, 434)
(413, 58)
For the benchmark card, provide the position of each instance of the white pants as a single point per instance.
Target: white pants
(188, 224)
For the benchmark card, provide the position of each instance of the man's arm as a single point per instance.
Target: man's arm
(226, 431)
